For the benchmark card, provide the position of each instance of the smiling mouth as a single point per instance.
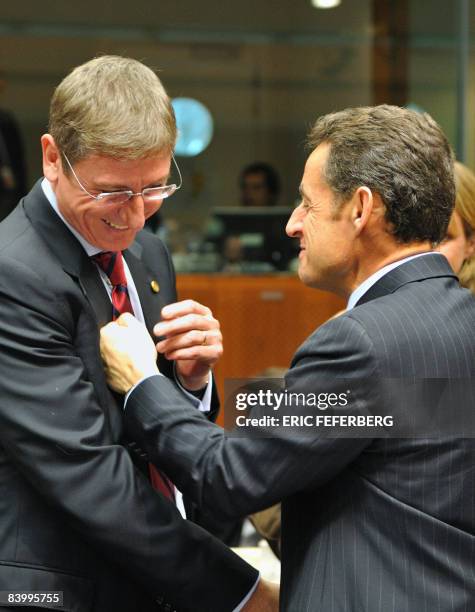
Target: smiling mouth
(114, 226)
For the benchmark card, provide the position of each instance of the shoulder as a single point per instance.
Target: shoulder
(433, 307)
(424, 329)
(24, 248)
(31, 277)
(342, 330)
(16, 231)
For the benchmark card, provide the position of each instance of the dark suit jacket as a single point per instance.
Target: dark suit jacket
(76, 513)
(369, 524)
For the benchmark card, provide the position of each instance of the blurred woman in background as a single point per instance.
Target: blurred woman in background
(459, 244)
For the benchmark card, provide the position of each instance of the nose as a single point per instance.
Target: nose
(293, 229)
(133, 212)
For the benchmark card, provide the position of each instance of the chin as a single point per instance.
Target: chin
(118, 243)
(306, 278)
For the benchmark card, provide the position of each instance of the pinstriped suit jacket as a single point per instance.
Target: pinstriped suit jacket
(369, 525)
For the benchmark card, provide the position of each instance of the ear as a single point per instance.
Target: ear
(362, 207)
(51, 158)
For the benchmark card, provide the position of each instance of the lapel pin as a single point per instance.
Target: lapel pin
(155, 286)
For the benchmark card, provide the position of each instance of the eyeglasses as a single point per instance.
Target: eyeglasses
(150, 195)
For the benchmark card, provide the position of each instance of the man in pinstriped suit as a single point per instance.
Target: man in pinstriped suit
(370, 524)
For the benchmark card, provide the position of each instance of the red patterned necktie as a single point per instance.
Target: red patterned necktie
(113, 265)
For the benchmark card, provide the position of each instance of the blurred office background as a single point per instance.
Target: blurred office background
(265, 70)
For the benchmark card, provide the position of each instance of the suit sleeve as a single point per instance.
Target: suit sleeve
(236, 474)
(56, 433)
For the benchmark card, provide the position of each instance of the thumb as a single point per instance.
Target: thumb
(125, 320)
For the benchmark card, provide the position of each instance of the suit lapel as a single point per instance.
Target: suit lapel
(150, 301)
(94, 290)
(432, 265)
(68, 251)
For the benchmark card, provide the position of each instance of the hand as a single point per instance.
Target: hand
(192, 338)
(128, 353)
(264, 599)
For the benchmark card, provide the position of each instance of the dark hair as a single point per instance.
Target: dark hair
(270, 174)
(402, 155)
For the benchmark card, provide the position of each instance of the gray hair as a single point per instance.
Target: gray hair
(402, 155)
(113, 106)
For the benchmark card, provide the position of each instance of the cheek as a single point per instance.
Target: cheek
(90, 216)
(91, 225)
(311, 229)
(151, 210)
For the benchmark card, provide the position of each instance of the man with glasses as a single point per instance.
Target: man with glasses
(78, 511)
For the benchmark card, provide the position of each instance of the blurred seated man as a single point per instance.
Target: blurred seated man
(259, 185)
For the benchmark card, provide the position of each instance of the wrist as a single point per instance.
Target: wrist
(193, 383)
(138, 374)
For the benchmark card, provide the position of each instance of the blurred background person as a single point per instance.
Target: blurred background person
(232, 255)
(259, 185)
(459, 244)
(12, 160)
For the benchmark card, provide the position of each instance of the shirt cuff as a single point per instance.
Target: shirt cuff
(203, 404)
(248, 596)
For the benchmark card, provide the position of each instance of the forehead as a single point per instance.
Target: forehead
(313, 177)
(254, 178)
(112, 170)
(117, 164)
(318, 158)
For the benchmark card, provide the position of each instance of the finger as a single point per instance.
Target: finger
(193, 338)
(184, 324)
(204, 354)
(179, 309)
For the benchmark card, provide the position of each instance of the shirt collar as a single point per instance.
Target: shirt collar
(51, 197)
(374, 278)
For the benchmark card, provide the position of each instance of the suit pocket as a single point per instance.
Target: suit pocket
(77, 591)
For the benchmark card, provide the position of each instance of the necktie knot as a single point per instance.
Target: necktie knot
(112, 263)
